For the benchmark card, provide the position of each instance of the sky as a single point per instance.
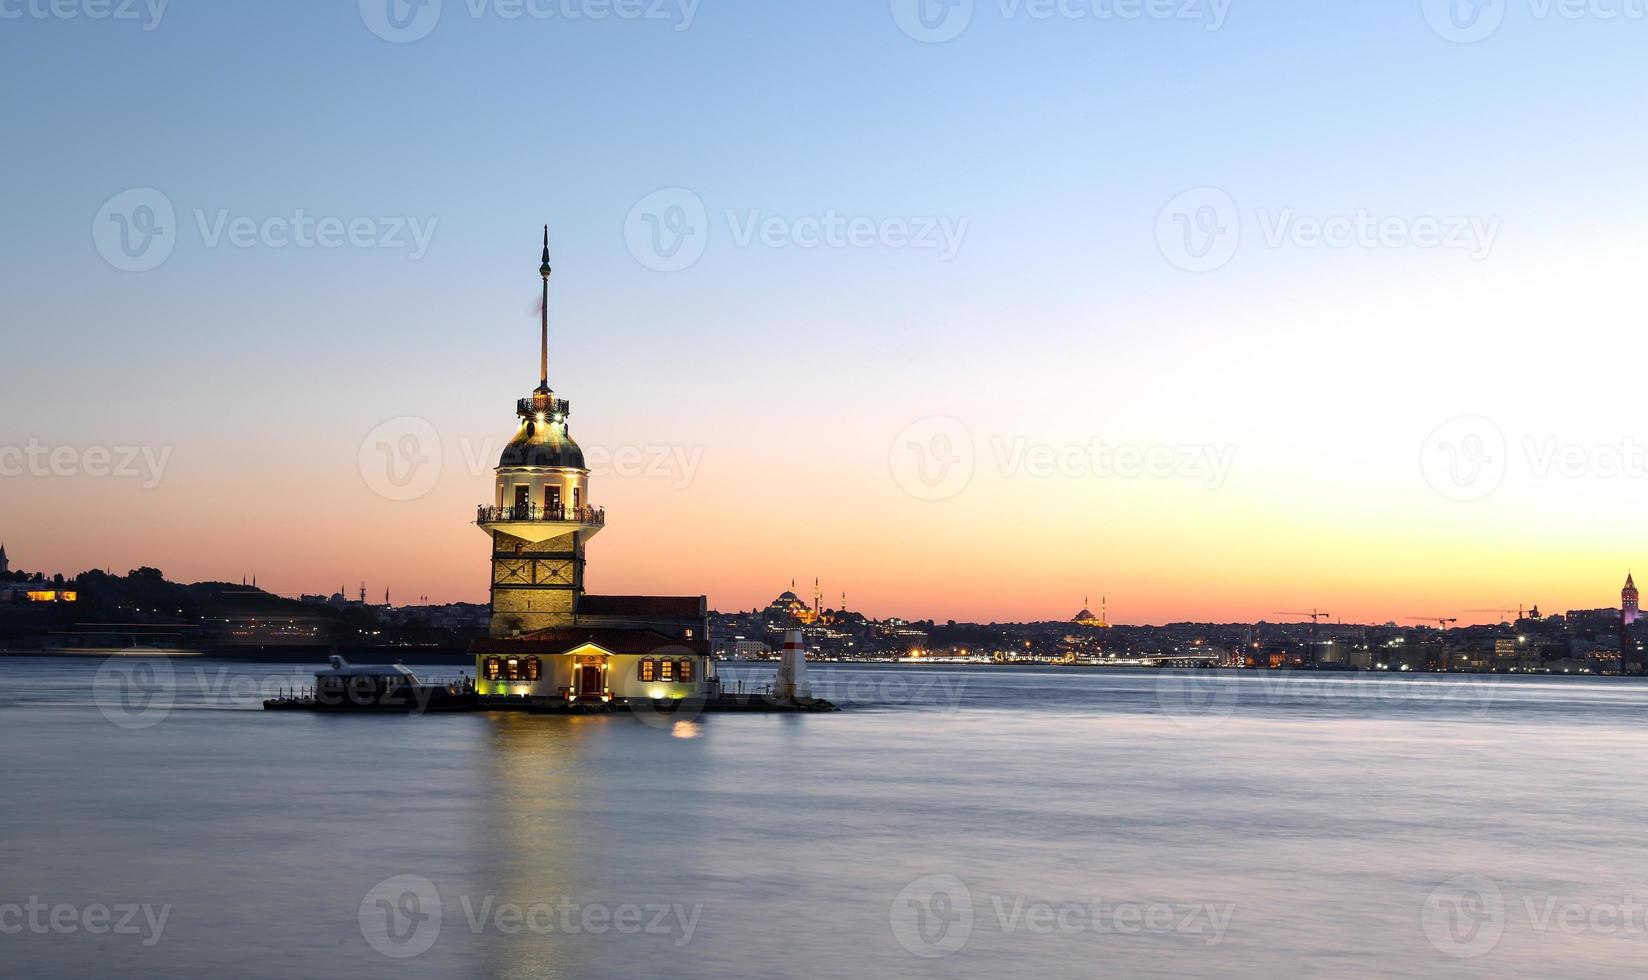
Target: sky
(972, 311)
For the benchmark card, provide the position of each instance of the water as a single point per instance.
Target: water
(955, 821)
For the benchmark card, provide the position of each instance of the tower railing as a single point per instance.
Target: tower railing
(596, 516)
(529, 407)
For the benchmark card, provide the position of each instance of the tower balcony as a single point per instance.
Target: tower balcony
(535, 523)
(541, 404)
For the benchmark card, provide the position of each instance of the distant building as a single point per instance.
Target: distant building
(1086, 617)
(5, 563)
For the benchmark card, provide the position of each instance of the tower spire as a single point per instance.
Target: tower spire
(543, 312)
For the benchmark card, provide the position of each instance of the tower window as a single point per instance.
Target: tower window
(577, 497)
(552, 498)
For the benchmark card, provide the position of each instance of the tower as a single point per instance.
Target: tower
(540, 519)
(5, 563)
(1628, 610)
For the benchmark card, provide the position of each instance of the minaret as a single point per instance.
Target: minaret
(540, 518)
(818, 600)
(5, 563)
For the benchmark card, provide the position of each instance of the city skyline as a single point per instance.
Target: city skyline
(1102, 354)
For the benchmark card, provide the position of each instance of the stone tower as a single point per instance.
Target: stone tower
(541, 518)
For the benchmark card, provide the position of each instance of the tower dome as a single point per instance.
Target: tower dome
(542, 443)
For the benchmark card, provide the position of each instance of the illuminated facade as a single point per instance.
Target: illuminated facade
(1628, 609)
(548, 638)
(1086, 617)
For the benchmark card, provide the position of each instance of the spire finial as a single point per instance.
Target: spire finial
(543, 311)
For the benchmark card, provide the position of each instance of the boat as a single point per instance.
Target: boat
(343, 686)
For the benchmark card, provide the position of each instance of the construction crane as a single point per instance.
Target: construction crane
(1502, 612)
(1315, 616)
(1441, 621)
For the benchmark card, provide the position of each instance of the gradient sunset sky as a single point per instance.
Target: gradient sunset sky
(758, 405)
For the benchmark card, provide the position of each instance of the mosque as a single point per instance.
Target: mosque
(549, 639)
(1086, 617)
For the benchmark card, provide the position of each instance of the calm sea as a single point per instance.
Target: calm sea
(967, 821)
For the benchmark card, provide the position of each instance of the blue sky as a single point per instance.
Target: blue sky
(1054, 143)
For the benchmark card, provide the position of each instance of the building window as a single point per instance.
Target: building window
(647, 669)
(686, 671)
(689, 632)
(552, 498)
(577, 497)
(667, 674)
(491, 668)
(512, 669)
(534, 668)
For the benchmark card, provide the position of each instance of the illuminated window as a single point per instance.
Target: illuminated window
(689, 632)
(647, 669)
(533, 668)
(492, 668)
(667, 674)
(686, 671)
